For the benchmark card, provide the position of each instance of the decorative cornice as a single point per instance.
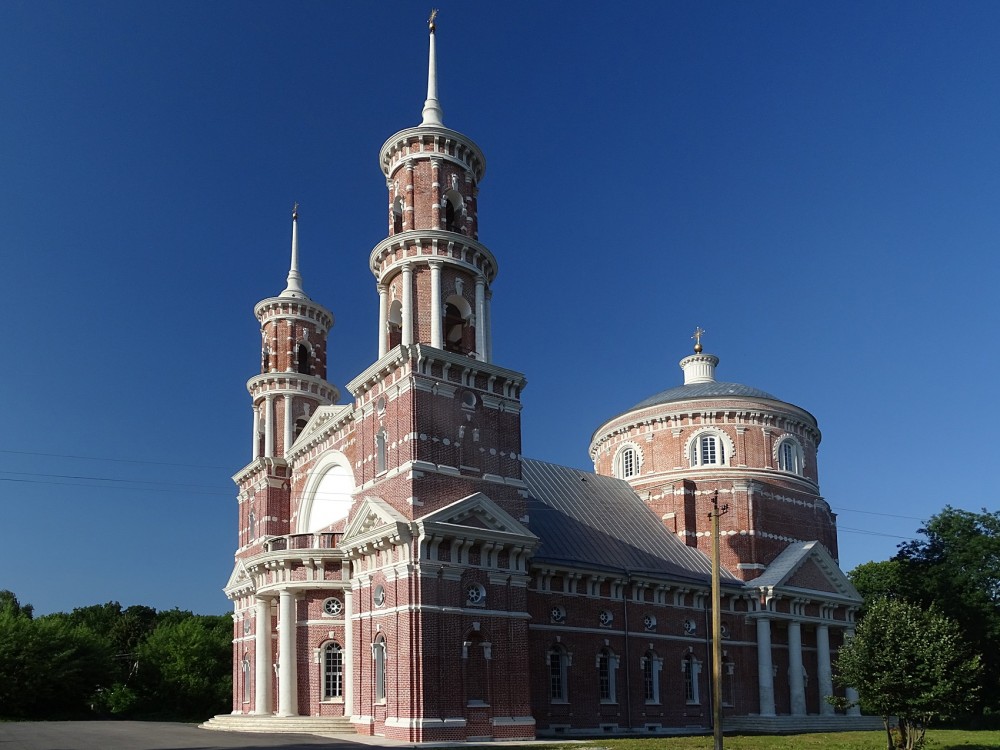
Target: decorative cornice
(445, 246)
(444, 143)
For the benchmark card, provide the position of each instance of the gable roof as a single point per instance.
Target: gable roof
(593, 521)
(479, 512)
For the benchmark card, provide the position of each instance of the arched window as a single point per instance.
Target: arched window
(606, 669)
(651, 668)
(251, 527)
(476, 653)
(790, 456)
(265, 360)
(380, 452)
(333, 671)
(708, 449)
(379, 657)
(627, 462)
(302, 359)
(692, 670)
(300, 424)
(558, 661)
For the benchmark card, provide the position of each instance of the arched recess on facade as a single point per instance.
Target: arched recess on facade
(397, 214)
(328, 494)
(710, 446)
(477, 657)
(459, 333)
(303, 358)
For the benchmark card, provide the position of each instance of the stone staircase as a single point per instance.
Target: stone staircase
(800, 724)
(280, 724)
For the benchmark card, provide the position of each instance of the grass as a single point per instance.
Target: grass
(937, 739)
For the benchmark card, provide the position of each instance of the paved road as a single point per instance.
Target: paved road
(148, 735)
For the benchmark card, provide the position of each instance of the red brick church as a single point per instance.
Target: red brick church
(402, 570)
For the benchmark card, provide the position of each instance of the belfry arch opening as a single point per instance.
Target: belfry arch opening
(454, 221)
(302, 359)
(397, 215)
(459, 333)
(395, 323)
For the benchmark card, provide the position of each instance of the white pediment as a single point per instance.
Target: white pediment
(806, 567)
(375, 521)
(477, 511)
(239, 581)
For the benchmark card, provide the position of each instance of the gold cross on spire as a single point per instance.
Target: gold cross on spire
(698, 333)
(295, 210)
(430, 21)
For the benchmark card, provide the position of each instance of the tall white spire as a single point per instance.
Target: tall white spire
(294, 285)
(432, 108)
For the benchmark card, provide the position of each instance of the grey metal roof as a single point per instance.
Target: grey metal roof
(789, 559)
(588, 520)
(713, 389)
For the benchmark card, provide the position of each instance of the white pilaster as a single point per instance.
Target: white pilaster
(349, 709)
(288, 423)
(823, 672)
(262, 659)
(269, 425)
(287, 667)
(480, 318)
(407, 304)
(383, 320)
(796, 683)
(436, 337)
(765, 667)
(489, 326)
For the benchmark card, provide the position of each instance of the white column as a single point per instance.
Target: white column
(796, 685)
(489, 327)
(287, 668)
(269, 425)
(823, 671)
(851, 693)
(383, 320)
(288, 423)
(262, 659)
(256, 432)
(348, 654)
(436, 338)
(765, 667)
(480, 318)
(407, 305)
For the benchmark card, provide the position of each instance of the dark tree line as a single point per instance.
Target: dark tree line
(104, 660)
(952, 572)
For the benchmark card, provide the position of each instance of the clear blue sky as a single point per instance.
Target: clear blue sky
(817, 185)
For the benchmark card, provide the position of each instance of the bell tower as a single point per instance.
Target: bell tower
(290, 387)
(435, 405)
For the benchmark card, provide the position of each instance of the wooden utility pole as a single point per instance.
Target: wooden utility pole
(716, 513)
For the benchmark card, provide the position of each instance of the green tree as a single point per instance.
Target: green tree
(911, 663)
(956, 568)
(48, 667)
(186, 666)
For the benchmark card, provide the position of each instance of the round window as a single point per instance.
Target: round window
(649, 622)
(379, 596)
(690, 627)
(476, 593)
(246, 626)
(333, 607)
(469, 400)
(380, 405)
(606, 618)
(558, 614)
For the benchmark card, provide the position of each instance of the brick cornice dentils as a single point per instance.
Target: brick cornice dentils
(260, 465)
(444, 143)
(423, 356)
(293, 383)
(728, 474)
(283, 308)
(443, 243)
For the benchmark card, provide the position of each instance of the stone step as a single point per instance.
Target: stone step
(801, 724)
(281, 724)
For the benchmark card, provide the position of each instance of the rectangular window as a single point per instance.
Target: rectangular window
(707, 449)
(647, 680)
(333, 672)
(555, 676)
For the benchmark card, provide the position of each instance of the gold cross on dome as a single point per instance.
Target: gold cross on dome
(698, 333)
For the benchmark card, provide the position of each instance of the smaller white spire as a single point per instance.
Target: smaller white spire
(294, 284)
(699, 368)
(432, 107)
